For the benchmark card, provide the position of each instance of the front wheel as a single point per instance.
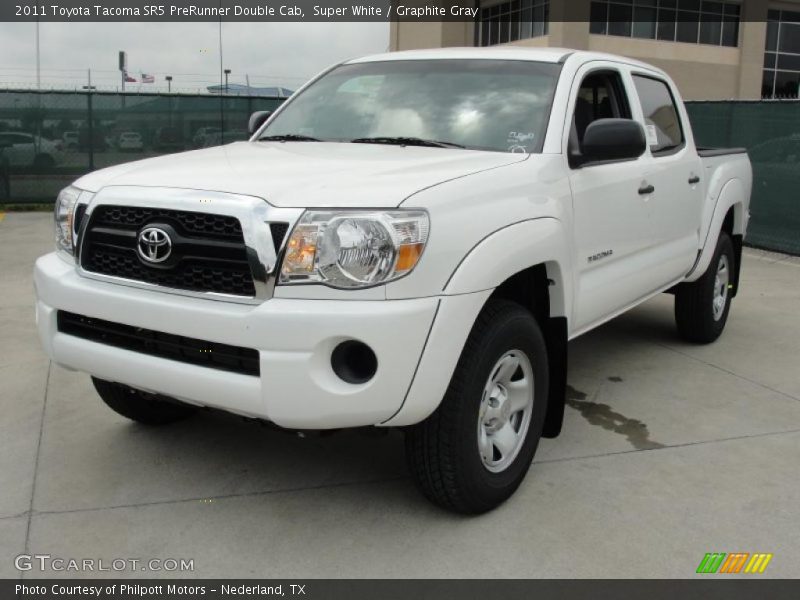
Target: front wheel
(473, 452)
(702, 306)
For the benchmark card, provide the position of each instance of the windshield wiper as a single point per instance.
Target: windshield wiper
(288, 137)
(405, 141)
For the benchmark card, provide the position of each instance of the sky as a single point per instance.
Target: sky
(283, 54)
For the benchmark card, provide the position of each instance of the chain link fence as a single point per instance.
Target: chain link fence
(48, 139)
(770, 130)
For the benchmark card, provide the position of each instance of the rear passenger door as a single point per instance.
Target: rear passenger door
(612, 224)
(675, 174)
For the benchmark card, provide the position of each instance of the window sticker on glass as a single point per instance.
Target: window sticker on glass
(520, 137)
(652, 135)
(518, 141)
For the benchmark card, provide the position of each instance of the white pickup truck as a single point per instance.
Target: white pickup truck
(409, 241)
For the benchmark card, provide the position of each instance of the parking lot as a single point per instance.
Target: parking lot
(669, 451)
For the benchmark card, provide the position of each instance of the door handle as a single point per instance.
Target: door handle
(694, 179)
(647, 189)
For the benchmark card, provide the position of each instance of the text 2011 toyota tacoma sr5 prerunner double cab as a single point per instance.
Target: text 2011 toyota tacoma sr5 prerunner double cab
(409, 241)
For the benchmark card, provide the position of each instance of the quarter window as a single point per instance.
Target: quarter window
(663, 127)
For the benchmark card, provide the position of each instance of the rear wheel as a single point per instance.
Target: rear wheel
(473, 452)
(702, 306)
(140, 406)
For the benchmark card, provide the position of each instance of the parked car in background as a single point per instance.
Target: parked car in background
(70, 140)
(230, 135)
(410, 241)
(168, 139)
(777, 159)
(130, 141)
(201, 135)
(27, 149)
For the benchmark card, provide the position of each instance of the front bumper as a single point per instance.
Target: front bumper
(297, 387)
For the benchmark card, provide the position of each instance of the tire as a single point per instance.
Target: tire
(444, 452)
(139, 406)
(702, 306)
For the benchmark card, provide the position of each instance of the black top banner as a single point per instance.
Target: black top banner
(340, 10)
(239, 10)
(331, 10)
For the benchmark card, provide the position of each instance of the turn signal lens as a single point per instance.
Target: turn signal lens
(64, 214)
(407, 257)
(300, 250)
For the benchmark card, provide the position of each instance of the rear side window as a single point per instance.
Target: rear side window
(663, 127)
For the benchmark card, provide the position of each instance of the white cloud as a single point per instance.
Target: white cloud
(270, 53)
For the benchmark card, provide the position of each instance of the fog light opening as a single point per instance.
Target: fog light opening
(354, 362)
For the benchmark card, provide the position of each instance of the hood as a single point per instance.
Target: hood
(304, 174)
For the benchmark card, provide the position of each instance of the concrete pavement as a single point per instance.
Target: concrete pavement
(669, 451)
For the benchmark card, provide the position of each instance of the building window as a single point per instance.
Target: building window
(782, 55)
(510, 21)
(692, 21)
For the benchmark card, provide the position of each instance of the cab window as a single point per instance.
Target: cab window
(600, 96)
(662, 125)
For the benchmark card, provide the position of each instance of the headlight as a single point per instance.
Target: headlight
(354, 249)
(64, 214)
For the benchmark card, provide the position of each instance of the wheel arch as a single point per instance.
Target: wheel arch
(533, 275)
(729, 216)
(537, 289)
(511, 252)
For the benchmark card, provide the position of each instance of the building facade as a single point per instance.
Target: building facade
(715, 50)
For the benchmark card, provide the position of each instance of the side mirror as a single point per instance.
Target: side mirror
(257, 119)
(613, 139)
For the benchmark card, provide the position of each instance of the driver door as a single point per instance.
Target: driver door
(613, 227)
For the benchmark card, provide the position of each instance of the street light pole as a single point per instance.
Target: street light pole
(169, 83)
(227, 72)
(38, 59)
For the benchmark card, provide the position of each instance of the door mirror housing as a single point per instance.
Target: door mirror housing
(257, 119)
(613, 139)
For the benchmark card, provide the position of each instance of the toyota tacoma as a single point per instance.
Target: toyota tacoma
(409, 241)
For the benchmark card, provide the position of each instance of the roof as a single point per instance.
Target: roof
(503, 52)
(552, 55)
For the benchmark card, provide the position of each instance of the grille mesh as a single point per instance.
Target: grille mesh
(193, 223)
(198, 277)
(197, 264)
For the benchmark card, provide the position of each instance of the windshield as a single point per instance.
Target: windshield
(496, 105)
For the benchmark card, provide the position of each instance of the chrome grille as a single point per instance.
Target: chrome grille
(208, 250)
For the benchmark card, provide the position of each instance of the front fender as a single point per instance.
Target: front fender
(513, 249)
(488, 264)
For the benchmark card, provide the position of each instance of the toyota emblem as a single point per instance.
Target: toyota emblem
(154, 245)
